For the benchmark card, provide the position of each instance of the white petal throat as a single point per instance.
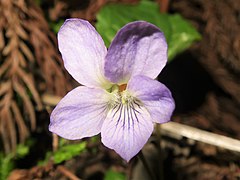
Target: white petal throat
(127, 127)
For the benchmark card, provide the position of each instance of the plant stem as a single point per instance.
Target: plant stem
(145, 164)
(160, 152)
(55, 142)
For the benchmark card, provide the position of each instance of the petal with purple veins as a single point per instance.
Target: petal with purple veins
(155, 96)
(126, 129)
(80, 113)
(139, 48)
(83, 52)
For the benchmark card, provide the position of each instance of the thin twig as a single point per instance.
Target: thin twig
(67, 173)
(164, 5)
(50, 100)
(175, 129)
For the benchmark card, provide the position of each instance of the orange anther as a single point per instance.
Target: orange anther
(122, 87)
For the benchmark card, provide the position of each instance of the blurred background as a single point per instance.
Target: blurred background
(203, 74)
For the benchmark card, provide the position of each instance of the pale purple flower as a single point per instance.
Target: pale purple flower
(120, 98)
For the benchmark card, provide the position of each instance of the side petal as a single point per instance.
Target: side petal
(83, 52)
(80, 113)
(155, 96)
(126, 129)
(138, 48)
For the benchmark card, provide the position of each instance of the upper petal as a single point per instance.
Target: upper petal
(155, 96)
(126, 129)
(138, 48)
(80, 113)
(83, 52)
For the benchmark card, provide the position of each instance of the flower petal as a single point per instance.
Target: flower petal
(126, 129)
(83, 52)
(155, 96)
(138, 48)
(80, 113)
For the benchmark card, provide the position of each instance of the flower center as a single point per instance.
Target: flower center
(122, 87)
(119, 95)
(126, 97)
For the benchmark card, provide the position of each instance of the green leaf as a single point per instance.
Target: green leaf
(64, 153)
(22, 150)
(6, 165)
(7, 161)
(68, 151)
(43, 162)
(182, 37)
(113, 175)
(56, 25)
(179, 33)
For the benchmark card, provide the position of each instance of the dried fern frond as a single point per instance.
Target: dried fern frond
(28, 60)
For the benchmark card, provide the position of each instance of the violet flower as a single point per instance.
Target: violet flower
(120, 98)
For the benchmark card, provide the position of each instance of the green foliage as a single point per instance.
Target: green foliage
(6, 165)
(182, 37)
(113, 175)
(65, 152)
(23, 149)
(179, 33)
(68, 151)
(55, 26)
(7, 161)
(38, 2)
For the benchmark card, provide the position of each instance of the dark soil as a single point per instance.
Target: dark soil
(218, 57)
(205, 81)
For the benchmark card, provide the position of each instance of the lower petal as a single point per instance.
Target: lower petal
(80, 113)
(155, 96)
(126, 129)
